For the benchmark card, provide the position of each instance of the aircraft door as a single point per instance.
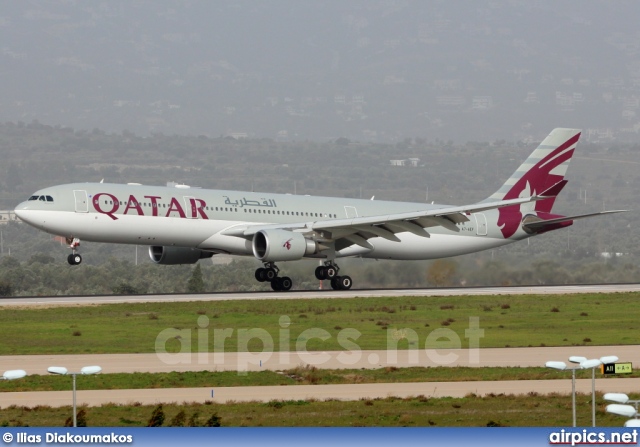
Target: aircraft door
(481, 224)
(190, 207)
(351, 211)
(82, 204)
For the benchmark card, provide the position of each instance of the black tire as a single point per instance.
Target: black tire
(285, 283)
(330, 272)
(270, 274)
(77, 259)
(261, 275)
(335, 284)
(276, 284)
(70, 260)
(345, 282)
(321, 273)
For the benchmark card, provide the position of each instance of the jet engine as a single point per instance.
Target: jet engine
(177, 255)
(281, 245)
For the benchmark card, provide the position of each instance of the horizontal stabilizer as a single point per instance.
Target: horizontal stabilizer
(538, 225)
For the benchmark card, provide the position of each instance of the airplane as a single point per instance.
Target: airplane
(182, 225)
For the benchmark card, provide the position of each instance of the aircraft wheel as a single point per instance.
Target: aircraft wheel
(270, 274)
(330, 272)
(345, 282)
(77, 259)
(276, 284)
(70, 260)
(320, 273)
(286, 283)
(335, 285)
(261, 274)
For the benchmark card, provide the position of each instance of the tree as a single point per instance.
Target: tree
(178, 420)
(193, 420)
(196, 283)
(157, 417)
(6, 289)
(213, 421)
(81, 419)
(441, 272)
(125, 289)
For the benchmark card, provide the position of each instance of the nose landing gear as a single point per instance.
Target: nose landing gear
(74, 258)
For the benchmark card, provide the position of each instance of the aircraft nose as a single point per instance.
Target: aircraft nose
(22, 211)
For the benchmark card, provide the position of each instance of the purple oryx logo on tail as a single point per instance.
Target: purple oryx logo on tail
(535, 180)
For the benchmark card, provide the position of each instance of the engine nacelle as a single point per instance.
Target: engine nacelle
(281, 245)
(177, 255)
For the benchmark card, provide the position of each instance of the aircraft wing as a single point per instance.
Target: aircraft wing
(356, 230)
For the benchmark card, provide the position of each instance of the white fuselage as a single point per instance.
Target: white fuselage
(197, 218)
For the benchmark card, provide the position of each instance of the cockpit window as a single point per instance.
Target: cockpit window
(42, 198)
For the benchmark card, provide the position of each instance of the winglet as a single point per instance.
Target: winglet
(554, 190)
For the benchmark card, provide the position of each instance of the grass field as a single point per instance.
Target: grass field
(508, 321)
(515, 321)
(296, 376)
(495, 410)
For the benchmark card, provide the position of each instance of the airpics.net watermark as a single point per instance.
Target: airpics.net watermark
(442, 346)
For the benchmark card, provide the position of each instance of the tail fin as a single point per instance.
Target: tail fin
(541, 174)
(543, 170)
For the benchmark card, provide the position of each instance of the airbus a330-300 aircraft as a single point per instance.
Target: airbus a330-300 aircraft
(182, 225)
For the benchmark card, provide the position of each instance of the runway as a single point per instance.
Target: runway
(306, 392)
(315, 294)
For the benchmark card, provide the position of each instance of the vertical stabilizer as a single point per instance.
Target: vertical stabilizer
(545, 168)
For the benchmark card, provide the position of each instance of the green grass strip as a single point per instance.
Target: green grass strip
(507, 321)
(296, 376)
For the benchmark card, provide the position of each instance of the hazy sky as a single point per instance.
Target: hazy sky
(370, 70)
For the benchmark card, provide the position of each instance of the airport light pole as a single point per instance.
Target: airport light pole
(624, 410)
(13, 374)
(563, 366)
(64, 372)
(593, 364)
(622, 398)
(584, 363)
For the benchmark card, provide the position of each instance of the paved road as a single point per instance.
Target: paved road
(110, 299)
(487, 357)
(321, 392)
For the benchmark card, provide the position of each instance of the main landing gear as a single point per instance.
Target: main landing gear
(330, 271)
(270, 273)
(74, 258)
